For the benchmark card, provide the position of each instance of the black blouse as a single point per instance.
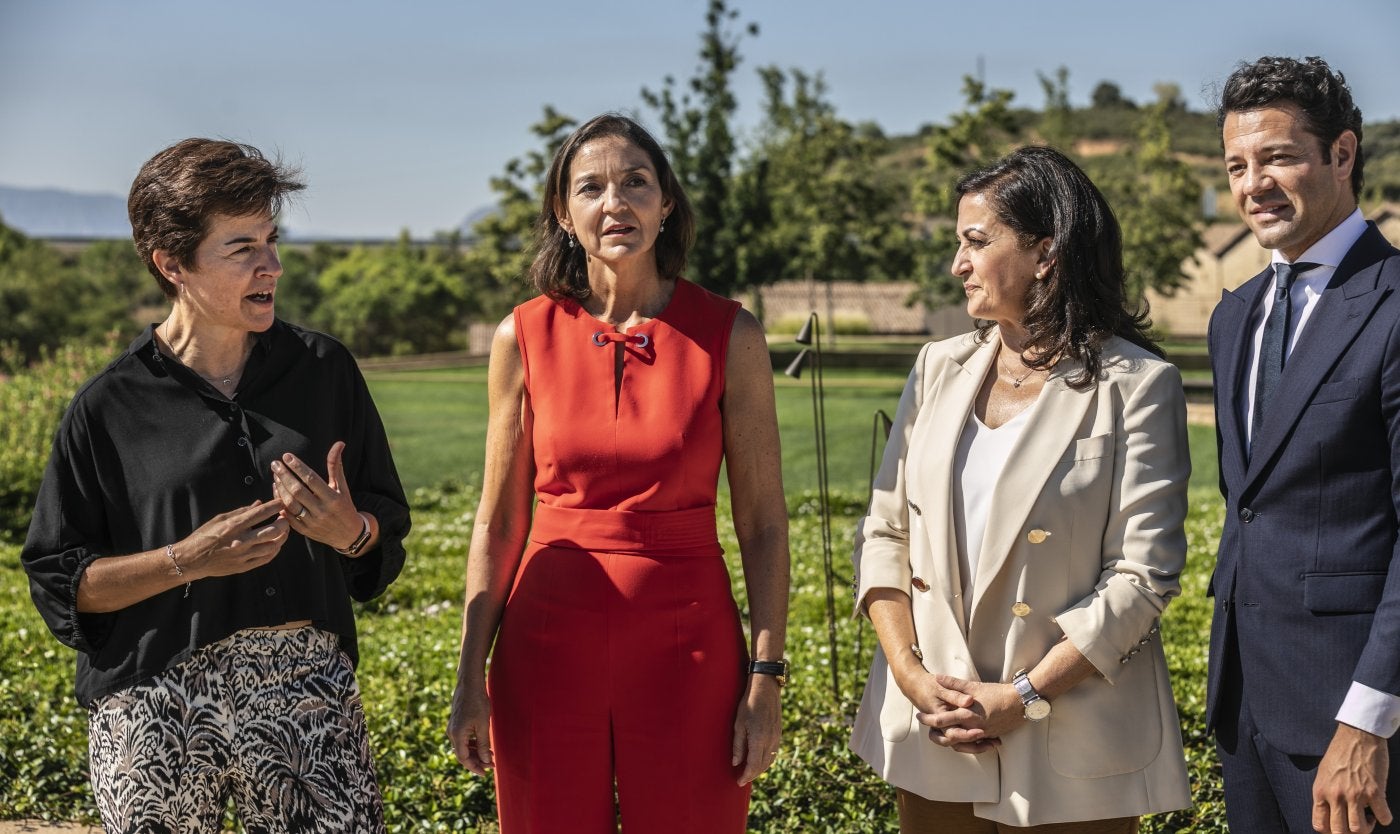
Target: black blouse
(148, 451)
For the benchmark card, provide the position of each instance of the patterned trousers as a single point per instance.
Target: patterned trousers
(270, 719)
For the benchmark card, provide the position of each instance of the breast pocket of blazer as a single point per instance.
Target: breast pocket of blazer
(1083, 464)
(1334, 392)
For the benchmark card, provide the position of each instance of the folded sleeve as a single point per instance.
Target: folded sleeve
(67, 533)
(1144, 540)
(881, 554)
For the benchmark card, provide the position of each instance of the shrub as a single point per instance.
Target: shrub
(32, 400)
(408, 656)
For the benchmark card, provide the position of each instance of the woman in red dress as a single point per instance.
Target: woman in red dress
(620, 685)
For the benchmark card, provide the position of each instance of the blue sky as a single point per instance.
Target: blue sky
(401, 113)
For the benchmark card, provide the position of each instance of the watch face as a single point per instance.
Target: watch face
(1038, 709)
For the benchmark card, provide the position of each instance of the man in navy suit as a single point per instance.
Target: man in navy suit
(1304, 691)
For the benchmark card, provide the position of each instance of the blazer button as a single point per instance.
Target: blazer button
(919, 584)
(1020, 609)
(1037, 536)
(1246, 514)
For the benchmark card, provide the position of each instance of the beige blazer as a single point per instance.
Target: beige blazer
(1085, 541)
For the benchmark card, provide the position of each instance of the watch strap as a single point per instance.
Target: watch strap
(359, 543)
(777, 668)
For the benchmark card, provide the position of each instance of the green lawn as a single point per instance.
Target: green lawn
(437, 426)
(436, 421)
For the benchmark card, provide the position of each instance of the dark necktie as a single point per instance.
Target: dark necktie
(1273, 348)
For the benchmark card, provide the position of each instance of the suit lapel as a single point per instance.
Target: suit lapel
(947, 412)
(1345, 307)
(1050, 428)
(1232, 322)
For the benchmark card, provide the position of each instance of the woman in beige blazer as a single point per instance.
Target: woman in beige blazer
(1026, 533)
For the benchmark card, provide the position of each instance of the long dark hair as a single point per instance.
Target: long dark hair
(1038, 193)
(561, 271)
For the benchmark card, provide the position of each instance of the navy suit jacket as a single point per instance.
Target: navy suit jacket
(1307, 582)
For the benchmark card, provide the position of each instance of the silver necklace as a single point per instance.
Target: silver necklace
(226, 381)
(1015, 380)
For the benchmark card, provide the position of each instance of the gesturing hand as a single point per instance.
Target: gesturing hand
(318, 509)
(233, 542)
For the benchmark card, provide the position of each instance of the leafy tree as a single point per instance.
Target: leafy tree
(1055, 120)
(1158, 208)
(45, 302)
(984, 130)
(1169, 96)
(299, 296)
(114, 267)
(500, 255)
(1109, 96)
(396, 300)
(702, 147)
(813, 199)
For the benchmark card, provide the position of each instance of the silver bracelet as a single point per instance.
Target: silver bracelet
(179, 571)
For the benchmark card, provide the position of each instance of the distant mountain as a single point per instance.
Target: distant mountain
(53, 212)
(480, 214)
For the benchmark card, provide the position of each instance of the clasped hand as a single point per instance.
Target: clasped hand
(967, 716)
(318, 509)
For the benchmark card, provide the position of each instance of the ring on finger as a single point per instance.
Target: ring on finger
(300, 514)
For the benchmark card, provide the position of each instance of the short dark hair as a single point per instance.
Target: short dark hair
(559, 270)
(1039, 193)
(1319, 92)
(179, 190)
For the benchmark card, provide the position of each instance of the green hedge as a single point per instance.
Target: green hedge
(408, 657)
(32, 400)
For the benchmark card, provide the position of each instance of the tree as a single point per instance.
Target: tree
(1159, 209)
(1055, 121)
(1109, 96)
(396, 300)
(813, 201)
(501, 251)
(982, 132)
(46, 302)
(299, 290)
(1169, 96)
(702, 148)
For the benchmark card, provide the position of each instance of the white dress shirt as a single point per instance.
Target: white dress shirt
(1364, 708)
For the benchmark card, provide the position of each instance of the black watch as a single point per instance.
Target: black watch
(777, 668)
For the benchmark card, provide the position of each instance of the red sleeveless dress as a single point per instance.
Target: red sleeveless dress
(620, 658)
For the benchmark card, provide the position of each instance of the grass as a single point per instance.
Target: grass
(436, 420)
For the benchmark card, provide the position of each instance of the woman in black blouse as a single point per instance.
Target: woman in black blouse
(189, 544)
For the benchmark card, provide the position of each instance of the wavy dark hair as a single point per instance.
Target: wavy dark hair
(1039, 193)
(179, 190)
(561, 271)
(1320, 93)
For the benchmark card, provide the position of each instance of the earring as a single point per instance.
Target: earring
(663, 227)
(571, 241)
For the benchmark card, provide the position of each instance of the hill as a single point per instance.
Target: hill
(53, 212)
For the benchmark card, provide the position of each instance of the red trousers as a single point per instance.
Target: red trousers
(615, 679)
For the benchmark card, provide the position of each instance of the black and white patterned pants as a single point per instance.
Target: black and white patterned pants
(271, 719)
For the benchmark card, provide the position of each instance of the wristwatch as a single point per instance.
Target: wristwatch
(777, 668)
(1037, 708)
